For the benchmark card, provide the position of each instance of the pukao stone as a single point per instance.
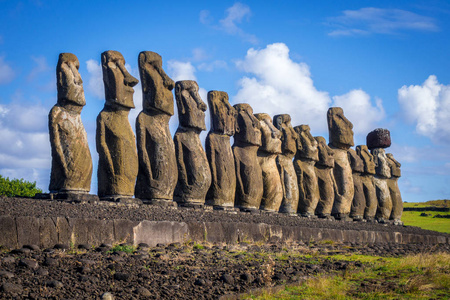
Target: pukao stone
(267, 154)
(158, 174)
(247, 139)
(116, 144)
(359, 200)
(222, 192)
(194, 174)
(380, 179)
(71, 158)
(289, 137)
(367, 181)
(378, 138)
(305, 159)
(324, 172)
(396, 197)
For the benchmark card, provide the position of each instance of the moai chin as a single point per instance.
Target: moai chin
(267, 154)
(158, 174)
(306, 157)
(288, 177)
(116, 145)
(341, 139)
(367, 182)
(380, 179)
(247, 139)
(194, 174)
(222, 192)
(324, 172)
(396, 197)
(71, 158)
(359, 200)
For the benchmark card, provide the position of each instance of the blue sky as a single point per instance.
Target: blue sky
(385, 62)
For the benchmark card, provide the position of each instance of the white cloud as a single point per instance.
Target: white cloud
(31, 118)
(179, 70)
(380, 21)
(428, 106)
(205, 17)
(40, 67)
(95, 82)
(6, 72)
(209, 67)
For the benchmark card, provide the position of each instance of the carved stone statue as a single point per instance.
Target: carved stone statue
(267, 154)
(324, 172)
(222, 192)
(247, 139)
(116, 144)
(158, 172)
(194, 175)
(341, 139)
(305, 159)
(367, 181)
(71, 158)
(383, 173)
(396, 197)
(359, 200)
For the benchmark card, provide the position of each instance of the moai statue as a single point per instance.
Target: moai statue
(289, 137)
(305, 159)
(341, 139)
(359, 200)
(267, 154)
(116, 143)
(396, 197)
(71, 159)
(158, 172)
(222, 192)
(367, 181)
(194, 175)
(324, 172)
(249, 179)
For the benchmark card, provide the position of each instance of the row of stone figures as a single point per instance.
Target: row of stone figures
(271, 166)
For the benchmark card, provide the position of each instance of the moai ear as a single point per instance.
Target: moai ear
(236, 125)
(178, 96)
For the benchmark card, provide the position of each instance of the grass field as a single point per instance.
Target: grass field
(413, 218)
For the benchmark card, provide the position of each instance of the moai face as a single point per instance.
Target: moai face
(270, 136)
(369, 162)
(356, 162)
(339, 128)
(306, 144)
(118, 82)
(191, 108)
(247, 126)
(288, 135)
(382, 167)
(223, 115)
(156, 85)
(325, 152)
(395, 165)
(69, 83)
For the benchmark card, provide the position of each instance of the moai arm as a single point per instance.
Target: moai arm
(141, 147)
(55, 142)
(102, 147)
(212, 165)
(182, 172)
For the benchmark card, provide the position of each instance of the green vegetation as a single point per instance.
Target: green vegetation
(124, 248)
(414, 218)
(436, 203)
(17, 188)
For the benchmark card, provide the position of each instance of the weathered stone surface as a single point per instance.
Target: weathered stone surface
(359, 199)
(116, 145)
(339, 129)
(247, 139)
(157, 176)
(383, 172)
(289, 137)
(9, 232)
(396, 197)
(324, 172)
(367, 182)
(267, 154)
(305, 159)
(71, 159)
(194, 174)
(218, 151)
(378, 138)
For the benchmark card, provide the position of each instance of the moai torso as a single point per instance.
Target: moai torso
(341, 139)
(396, 197)
(71, 158)
(325, 179)
(247, 139)
(367, 182)
(116, 145)
(383, 173)
(305, 159)
(158, 172)
(288, 177)
(222, 192)
(194, 174)
(267, 154)
(359, 200)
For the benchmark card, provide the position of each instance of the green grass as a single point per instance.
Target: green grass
(437, 203)
(413, 218)
(124, 248)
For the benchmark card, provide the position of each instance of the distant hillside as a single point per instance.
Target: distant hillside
(436, 203)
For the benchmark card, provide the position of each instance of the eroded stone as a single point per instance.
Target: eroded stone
(378, 138)
(383, 173)
(324, 172)
(367, 182)
(396, 197)
(359, 201)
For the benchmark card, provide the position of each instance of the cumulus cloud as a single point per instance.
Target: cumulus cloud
(179, 70)
(41, 66)
(95, 82)
(428, 106)
(370, 20)
(6, 71)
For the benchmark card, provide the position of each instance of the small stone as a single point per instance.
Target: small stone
(50, 262)
(122, 276)
(54, 284)
(29, 263)
(107, 296)
(6, 274)
(247, 277)
(61, 247)
(41, 272)
(32, 247)
(227, 278)
(11, 288)
(8, 260)
(143, 292)
(143, 245)
(84, 247)
(21, 251)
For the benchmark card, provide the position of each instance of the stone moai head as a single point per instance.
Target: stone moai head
(325, 153)
(247, 126)
(156, 85)
(382, 166)
(118, 82)
(191, 108)
(288, 135)
(339, 129)
(68, 80)
(368, 160)
(306, 144)
(395, 165)
(270, 136)
(378, 138)
(223, 115)
(356, 162)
